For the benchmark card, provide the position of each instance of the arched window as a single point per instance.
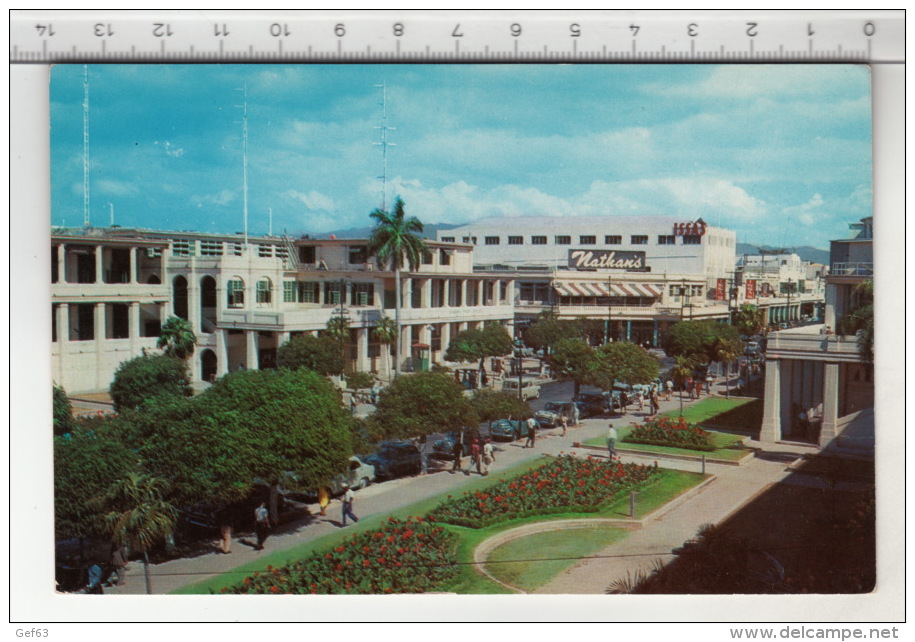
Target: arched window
(235, 293)
(264, 291)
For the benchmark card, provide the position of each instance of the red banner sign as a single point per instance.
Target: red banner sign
(721, 289)
(751, 289)
(689, 229)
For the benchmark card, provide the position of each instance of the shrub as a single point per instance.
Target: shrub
(565, 484)
(148, 376)
(664, 431)
(320, 354)
(357, 380)
(63, 412)
(409, 556)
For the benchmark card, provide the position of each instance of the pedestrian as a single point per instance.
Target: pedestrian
(261, 525)
(670, 389)
(708, 384)
(640, 397)
(489, 456)
(476, 457)
(654, 402)
(457, 450)
(374, 392)
(564, 422)
(624, 402)
(119, 564)
(576, 414)
(689, 387)
(698, 386)
(225, 532)
(347, 500)
(323, 499)
(611, 442)
(531, 433)
(94, 585)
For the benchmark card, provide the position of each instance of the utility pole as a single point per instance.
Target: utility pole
(384, 146)
(244, 131)
(86, 219)
(609, 307)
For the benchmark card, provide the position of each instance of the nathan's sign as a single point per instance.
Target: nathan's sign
(589, 259)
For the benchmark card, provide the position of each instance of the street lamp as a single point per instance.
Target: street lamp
(519, 345)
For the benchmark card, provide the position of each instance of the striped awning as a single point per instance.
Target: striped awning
(597, 288)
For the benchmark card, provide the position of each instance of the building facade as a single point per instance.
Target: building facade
(112, 289)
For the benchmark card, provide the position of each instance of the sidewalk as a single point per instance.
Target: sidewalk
(734, 486)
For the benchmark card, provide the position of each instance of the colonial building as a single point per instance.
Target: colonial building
(818, 386)
(113, 288)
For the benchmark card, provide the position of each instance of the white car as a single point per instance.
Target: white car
(530, 389)
(359, 475)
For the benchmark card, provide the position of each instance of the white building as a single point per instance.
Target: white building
(112, 288)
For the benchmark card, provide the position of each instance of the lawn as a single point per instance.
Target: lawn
(665, 486)
(530, 562)
(710, 410)
(727, 446)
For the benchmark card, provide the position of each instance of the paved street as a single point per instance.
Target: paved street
(735, 485)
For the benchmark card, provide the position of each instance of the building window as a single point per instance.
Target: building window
(563, 240)
(210, 248)
(183, 247)
(667, 239)
(447, 239)
(358, 254)
(492, 240)
(692, 239)
(538, 240)
(444, 257)
(427, 257)
(265, 251)
(308, 292)
(470, 239)
(289, 292)
(333, 293)
(235, 292)
(363, 294)
(236, 248)
(307, 254)
(638, 239)
(516, 240)
(264, 291)
(587, 240)
(613, 239)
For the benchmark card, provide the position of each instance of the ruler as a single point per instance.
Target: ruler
(457, 36)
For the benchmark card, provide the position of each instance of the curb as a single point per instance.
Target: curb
(698, 459)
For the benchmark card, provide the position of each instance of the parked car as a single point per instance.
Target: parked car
(614, 394)
(443, 448)
(530, 389)
(752, 349)
(591, 405)
(509, 429)
(395, 459)
(552, 412)
(357, 476)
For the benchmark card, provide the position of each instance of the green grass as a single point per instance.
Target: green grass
(521, 562)
(665, 486)
(703, 411)
(726, 446)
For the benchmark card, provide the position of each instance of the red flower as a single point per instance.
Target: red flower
(339, 549)
(274, 589)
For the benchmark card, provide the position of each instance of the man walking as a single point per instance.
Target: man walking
(654, 402)
(489, 456)
(457, 450)
(261, 525)
(576, 414)
(475, 457)
(531, 433)
(348, 499)
(670, 389)
(611, 442)
(624, 402)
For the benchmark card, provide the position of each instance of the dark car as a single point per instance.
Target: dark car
(443, 448)
(507, 429)
(591, 405)
(395, 459)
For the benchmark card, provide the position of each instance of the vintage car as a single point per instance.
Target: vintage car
(552, 412)
(530, 388)
(507, 429)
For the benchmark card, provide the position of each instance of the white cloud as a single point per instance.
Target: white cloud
(223, 197)
(313, 200)
(112, 187)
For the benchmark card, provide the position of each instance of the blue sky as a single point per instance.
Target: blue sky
(779, 153)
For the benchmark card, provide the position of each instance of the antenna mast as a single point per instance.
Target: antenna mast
(86, 145)
(384, 146)
(244, 129)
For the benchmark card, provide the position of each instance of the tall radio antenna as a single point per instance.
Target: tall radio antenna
(244, 130)
(384, 147)
(86, 145)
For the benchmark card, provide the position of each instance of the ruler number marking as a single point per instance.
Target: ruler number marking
(575, 30)
(102, 30)
(339, 30)
(810, 30)
(162, 29)
(278, 30)
(634, 29)
(869, 29)
(692, 30)
(751, 29)
(220, 30)
(515, 29)
(398, 29)
(457, 33)
(45, 30)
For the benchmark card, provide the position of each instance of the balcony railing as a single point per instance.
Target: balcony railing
(852, 269)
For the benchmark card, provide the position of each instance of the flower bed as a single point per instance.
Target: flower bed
(566, 484)
(411, 556)
(666, 431)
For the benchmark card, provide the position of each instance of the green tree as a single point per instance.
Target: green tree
(63, 411)
(623, 361)
(547, 331)
(87, 461)
(177, 338)
(140, 517)
(492, 340)
(726, 351)
(697, 339)
(574, 359)
(681, 371)
(860, 320)
(385, 332)
(320, 354)
(490, 406)
(338, 331)
(396, 242)
(421, 404)
(147, 376)
(749, 319)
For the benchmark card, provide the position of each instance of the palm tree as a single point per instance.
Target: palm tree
(395, 241)
(725, 352)
(860, 320)
(682, 370)
(338, 330)
(140, 517)
(177, 338)
(386, 334)
(749, 319)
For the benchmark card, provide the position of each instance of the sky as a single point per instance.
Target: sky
(781, 154)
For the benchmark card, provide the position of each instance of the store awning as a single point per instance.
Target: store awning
(597, 288)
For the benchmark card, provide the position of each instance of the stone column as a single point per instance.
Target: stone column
(61, 263)
(99, 323)
(63, 327)
(133, 326)
(654, 333)
(282, 338)
(133, 265)
(163, 312)
(99, 264)
(406, 292)
(252, 352)
(446, 338)
(194, 303)
(464, 292)
(828, 429)
(481, 292)
(426, 301)
(222, 353)
(363, 363)
(771, 430)
(347, 293)
(829, 316)
(446, 293)
(406, 343)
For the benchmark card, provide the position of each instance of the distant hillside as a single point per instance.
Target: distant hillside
(807, 253)
(429, 231)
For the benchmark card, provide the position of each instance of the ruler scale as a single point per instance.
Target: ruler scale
(447, 36)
